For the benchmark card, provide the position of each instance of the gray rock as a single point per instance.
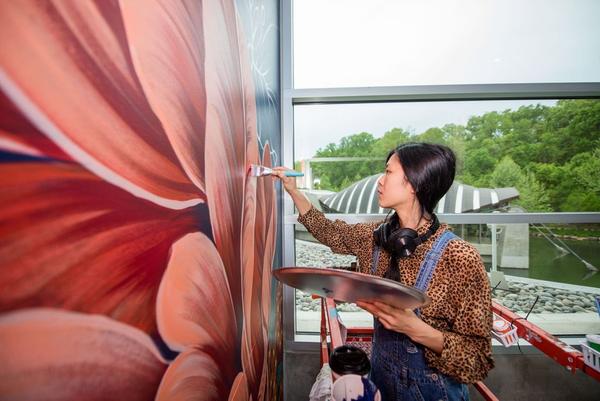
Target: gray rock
(520, 298)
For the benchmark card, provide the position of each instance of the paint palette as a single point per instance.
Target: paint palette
(347, 286)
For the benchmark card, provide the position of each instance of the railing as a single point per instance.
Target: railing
(476, 218)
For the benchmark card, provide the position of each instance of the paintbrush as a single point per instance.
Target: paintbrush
(259, 171)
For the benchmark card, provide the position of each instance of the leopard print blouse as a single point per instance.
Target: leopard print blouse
(459, 290)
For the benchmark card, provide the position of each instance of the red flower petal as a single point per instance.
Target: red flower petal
(230, 134)
(17, 135)
(67, 68)
(59, 355)
(258, 247)
(267, 231)
(169, 58)
(265, 252)
(252, 336)
(195, 376)
(239, 389)
(194, 306)
(70, 240)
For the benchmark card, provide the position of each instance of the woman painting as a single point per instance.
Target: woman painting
(431, 353)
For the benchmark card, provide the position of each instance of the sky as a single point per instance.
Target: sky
(315, 126)
(351, 43)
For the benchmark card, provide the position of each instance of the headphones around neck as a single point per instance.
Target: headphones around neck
(402, 242)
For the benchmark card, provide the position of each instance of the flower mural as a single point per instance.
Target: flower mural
(135, 251)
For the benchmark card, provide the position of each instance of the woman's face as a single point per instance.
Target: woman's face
(393, 187)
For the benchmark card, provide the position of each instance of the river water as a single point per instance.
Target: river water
(546, 262)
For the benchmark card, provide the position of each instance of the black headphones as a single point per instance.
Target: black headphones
(402, 242)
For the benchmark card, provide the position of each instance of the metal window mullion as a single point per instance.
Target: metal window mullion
(477, 218)
(562, 90)
(287, 159)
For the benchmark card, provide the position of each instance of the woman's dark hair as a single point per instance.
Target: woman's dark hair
(430, 169)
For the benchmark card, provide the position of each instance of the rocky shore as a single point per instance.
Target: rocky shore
(519, 297)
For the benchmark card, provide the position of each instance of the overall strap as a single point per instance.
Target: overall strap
(431, 260)
(375, 259)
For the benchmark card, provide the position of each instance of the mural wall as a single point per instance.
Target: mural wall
(135, 252)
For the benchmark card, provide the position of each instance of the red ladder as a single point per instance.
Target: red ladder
(358, 336)
(556, 349)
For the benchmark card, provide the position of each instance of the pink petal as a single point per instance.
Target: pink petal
(195, 376)
(169, 58)
(262, 387)
(267, 231)
(252, 334)
(239, 389)
(194, 306)
(258, 247)
(67, 68)
(230, 134)
(70, 240)
(50, 354)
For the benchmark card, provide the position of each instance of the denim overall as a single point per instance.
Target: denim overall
(399, 369)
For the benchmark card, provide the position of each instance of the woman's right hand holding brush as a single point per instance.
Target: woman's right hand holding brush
(289, 184)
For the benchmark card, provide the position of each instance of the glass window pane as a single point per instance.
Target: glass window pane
(351, 43)
(548, 271)
(310, 253)
(551, 271)
(534, 155)
(539, 156)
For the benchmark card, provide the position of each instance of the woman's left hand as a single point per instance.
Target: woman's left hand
(392, 318)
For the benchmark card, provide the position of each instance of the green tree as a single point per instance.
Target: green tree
(455, 139)
(573, 127)
(432, 135)
(506, 174)
(479, 163)
(339, 174)
(558, 183)
(584, 178)
(390, 140)
(586, 170)
(532, 195)
(550, 153)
